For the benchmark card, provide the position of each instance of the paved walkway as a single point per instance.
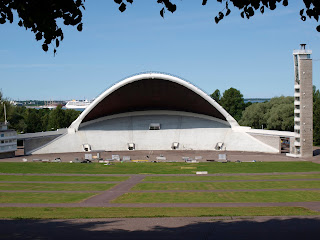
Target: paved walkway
(115, 192)
(170, 155)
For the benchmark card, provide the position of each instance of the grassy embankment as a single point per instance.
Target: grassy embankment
(221, 178)
(56, 186)
(116, 212)
(62, 178)
(219, 197)
(159, 168)
(226, 185)
(39, 197)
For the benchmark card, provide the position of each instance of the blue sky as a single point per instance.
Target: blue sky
(254, 56)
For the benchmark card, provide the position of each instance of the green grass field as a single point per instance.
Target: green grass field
(219, 197)
(158, 168)
(62, 178)
(227, 185)
(157, 197)
(218, 178)
(6, 197)
(56, 186)
(116, 212)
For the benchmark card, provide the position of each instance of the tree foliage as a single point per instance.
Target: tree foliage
(216, 95)
(41, 16)
(316, 116)
(247, 8)
(277, 114)
(232, 101)
(254, 116)
(27, 120)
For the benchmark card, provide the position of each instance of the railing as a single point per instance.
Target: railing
(304, 51)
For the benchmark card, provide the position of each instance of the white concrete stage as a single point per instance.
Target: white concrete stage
(191, 132)
(183, 118)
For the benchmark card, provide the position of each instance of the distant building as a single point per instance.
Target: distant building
(302, 143)
(8, 141)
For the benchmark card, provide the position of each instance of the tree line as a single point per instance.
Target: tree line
(276, 114)
(30, 120)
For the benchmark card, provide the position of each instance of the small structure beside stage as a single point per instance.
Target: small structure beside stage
(8, 141)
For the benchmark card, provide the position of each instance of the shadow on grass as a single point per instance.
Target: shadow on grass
(162, 228)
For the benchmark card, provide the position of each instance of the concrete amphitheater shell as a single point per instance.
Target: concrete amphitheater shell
(183, 118)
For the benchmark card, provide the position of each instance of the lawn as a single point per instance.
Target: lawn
(56, 186)
(219, 197)
(6, 197)
(227, 185)
(116, 212)
(63, 178)
(157, 197)
(158, 168)
(221, 178)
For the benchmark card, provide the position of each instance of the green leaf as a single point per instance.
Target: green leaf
(301, 12)
(122, 7)
(79, 27)
(39, 36)
(45, 47)
(162, 12)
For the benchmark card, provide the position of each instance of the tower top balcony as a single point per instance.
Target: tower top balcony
(303, 50)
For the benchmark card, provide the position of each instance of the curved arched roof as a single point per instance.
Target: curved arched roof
(152, 91)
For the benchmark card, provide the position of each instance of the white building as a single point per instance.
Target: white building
(156, 111)
(8, 141)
